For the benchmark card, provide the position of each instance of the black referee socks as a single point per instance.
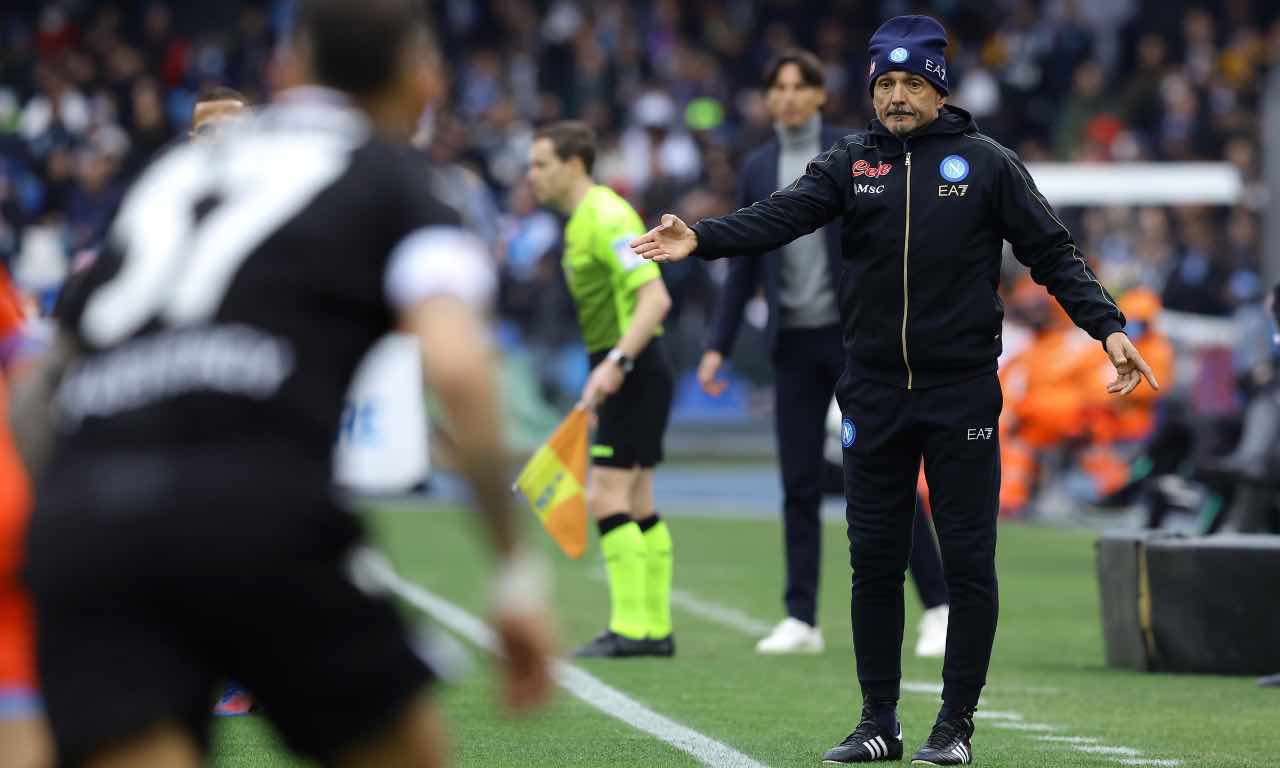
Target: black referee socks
(648, 522)
(617, 519)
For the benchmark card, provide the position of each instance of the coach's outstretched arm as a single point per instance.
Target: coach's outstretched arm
(810, 202)
(459, 368)
(1045, 246)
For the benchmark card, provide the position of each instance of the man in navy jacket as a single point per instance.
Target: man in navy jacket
(926, 203)
(800, 281)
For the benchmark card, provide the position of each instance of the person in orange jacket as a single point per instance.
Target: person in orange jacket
(1050, 390)
(1115, 422)
(1046, 384)
(1043, 386)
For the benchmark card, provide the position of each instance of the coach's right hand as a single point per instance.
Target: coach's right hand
(708, 373)
(672, 240)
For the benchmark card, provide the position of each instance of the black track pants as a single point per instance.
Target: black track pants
(887, 432)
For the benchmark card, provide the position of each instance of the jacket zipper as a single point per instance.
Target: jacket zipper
(906, 247)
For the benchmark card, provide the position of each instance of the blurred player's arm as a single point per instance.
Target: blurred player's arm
(31, 403)
(31, 407)
(460, 370)
(438, 279)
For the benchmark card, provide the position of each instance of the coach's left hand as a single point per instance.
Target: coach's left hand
(603, 381)
(1131, 369)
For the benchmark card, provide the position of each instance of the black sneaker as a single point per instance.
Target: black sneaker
(948, 744)
(869, 743)
(610, 645)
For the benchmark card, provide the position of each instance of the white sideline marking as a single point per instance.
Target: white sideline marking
(997, 715)
(1030, 727)
(1104, 750)
(746, 624)
(735, 619)
(936, 688)
(575, 680)
(721, 614)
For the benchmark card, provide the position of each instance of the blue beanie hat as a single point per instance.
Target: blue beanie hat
(912, 44)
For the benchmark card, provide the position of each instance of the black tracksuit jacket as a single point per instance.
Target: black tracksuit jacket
(923, 220)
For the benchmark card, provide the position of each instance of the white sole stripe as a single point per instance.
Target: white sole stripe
(577, 681)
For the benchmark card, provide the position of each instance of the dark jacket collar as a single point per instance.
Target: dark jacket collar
(951, 121)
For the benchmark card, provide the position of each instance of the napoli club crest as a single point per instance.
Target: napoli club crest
(954, 168)
(848, 432)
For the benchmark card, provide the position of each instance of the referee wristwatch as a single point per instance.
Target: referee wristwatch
(623, 362)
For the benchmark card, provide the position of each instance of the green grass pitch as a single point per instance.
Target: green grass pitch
(1047, 667)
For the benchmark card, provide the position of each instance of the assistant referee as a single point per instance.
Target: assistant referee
(925, 203)
(621, 301)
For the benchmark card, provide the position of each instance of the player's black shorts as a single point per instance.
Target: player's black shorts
(632, 421)
(145, 605)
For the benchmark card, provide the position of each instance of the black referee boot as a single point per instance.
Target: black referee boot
(869, 743)
(662, 646)
(949, 744)
(611, 645)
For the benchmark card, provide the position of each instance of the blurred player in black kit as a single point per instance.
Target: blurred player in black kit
(185, 530)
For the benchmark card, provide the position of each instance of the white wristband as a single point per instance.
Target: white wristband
(521, 584)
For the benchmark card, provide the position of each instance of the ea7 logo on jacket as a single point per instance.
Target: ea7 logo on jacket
(953, 190)
(863, 168)
(979, 433)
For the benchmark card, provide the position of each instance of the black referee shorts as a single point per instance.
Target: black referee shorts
(144, 610)
(631, 422)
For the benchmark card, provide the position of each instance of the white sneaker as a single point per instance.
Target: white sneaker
(932, 642)
(792, 636)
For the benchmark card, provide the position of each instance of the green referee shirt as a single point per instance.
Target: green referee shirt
(602, 271)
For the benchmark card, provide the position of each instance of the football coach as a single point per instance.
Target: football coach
(925, 203)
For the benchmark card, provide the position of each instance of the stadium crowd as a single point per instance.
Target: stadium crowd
(89, 91)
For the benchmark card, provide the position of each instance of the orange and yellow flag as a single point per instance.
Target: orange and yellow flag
(554, 481)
